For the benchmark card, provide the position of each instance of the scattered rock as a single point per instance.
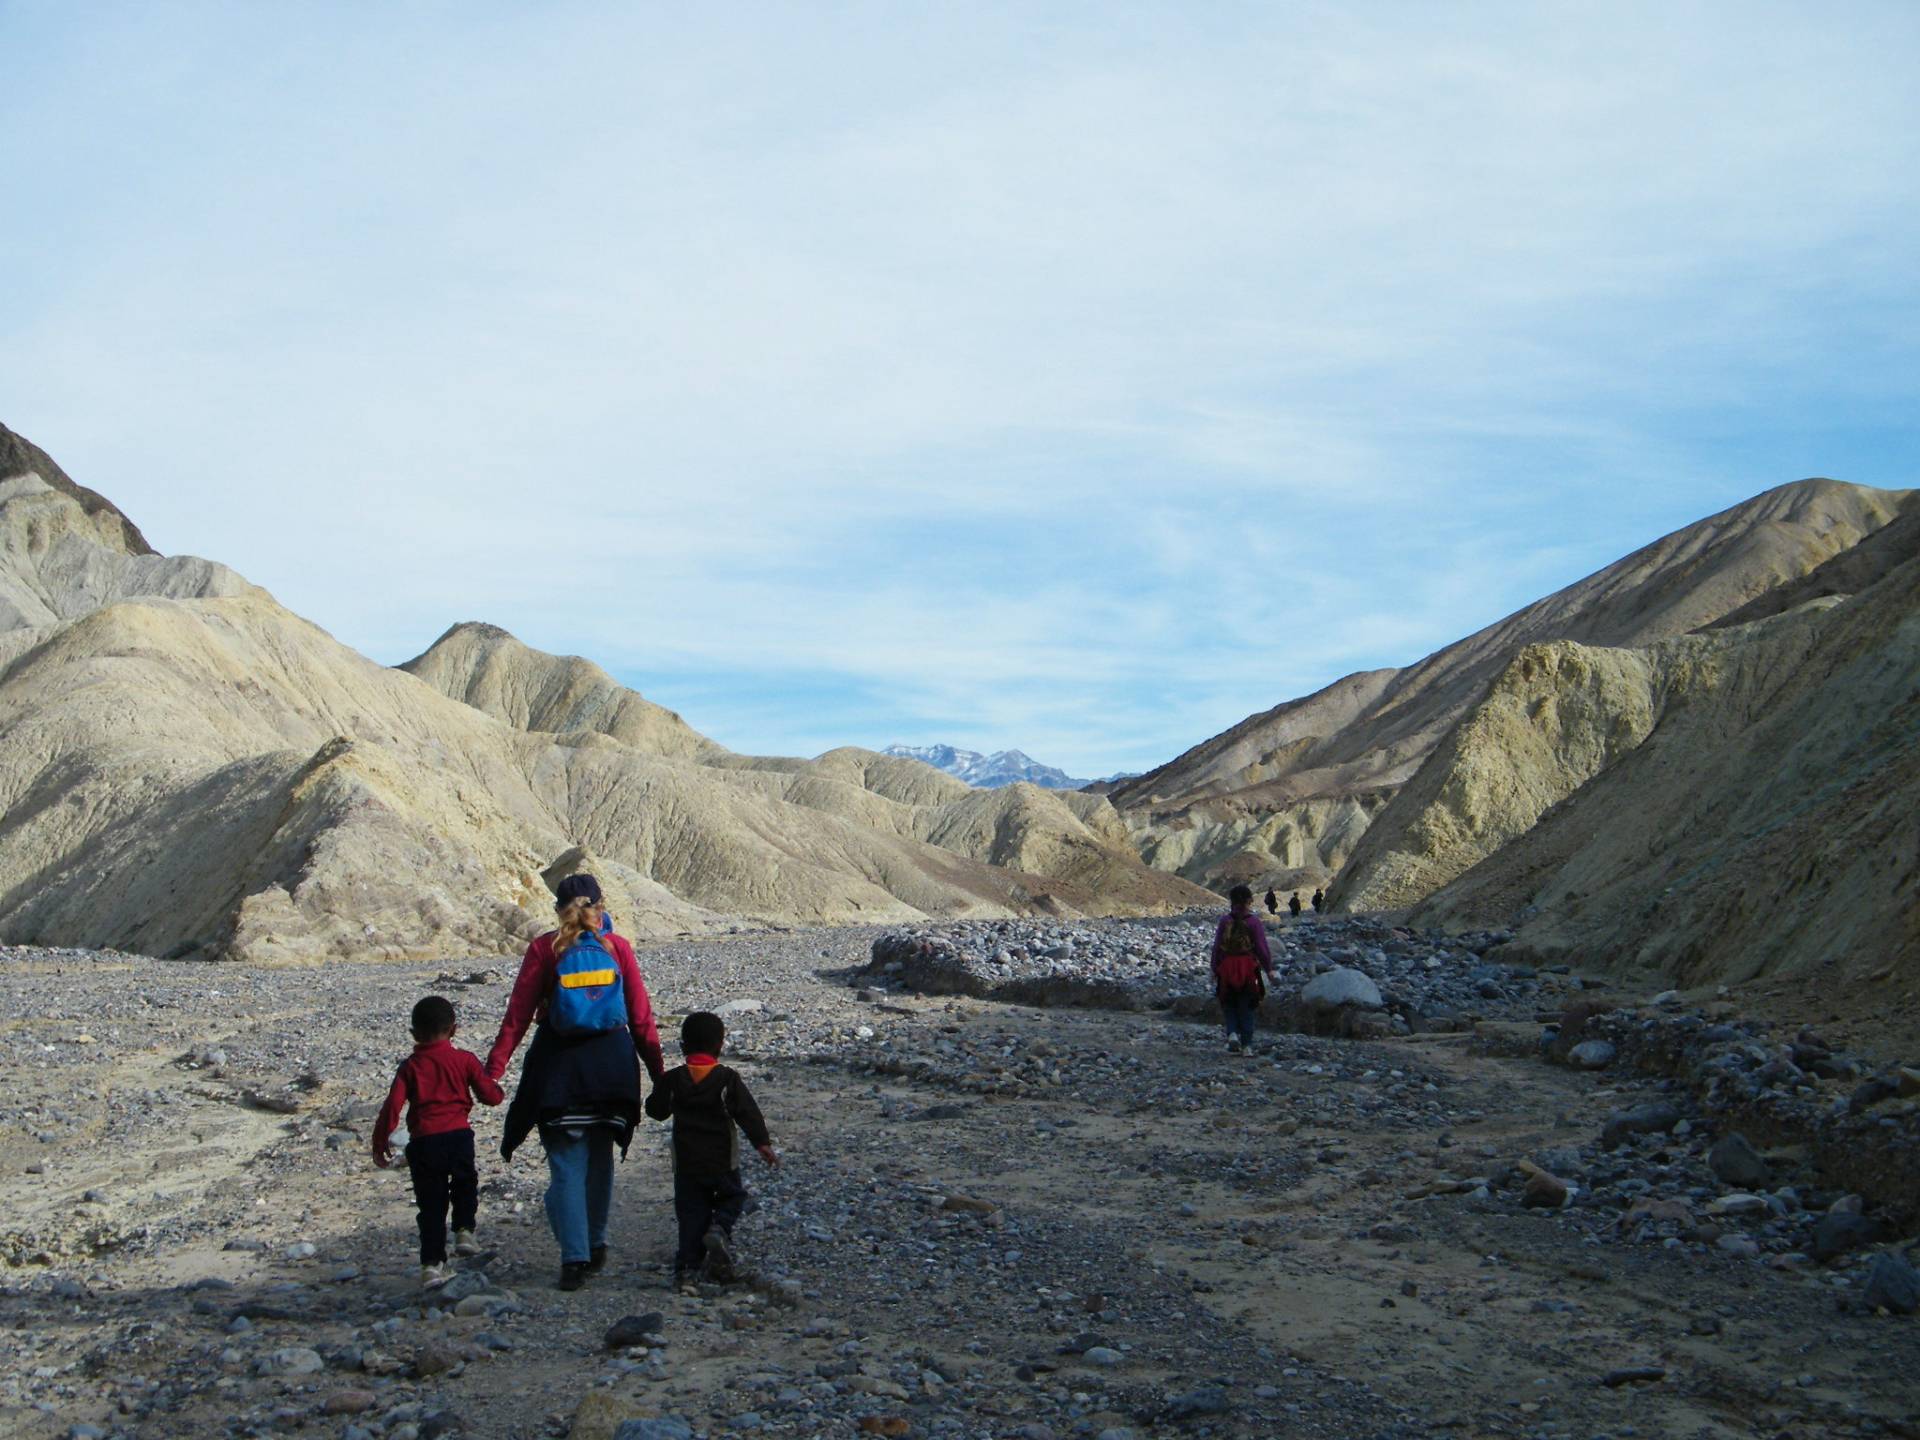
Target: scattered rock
(465, 1283)
(1197, 1403)
(601, 1413)
(1592, 1055)
(1656, 1118)
(1543, 1190)
(634, 1330)
(1633, 1375)
(966, 1205)
(292, 1360)
(1892, 1284)
(1737, 1163)
(1871, 1092)
(665, 1427)
(434, 1358)
(1839, 1233)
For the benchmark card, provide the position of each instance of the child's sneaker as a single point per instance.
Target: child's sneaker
(719, 1255)
(432, 1277)
(1233, 1045)
(464, 1243)
(1247, 1048)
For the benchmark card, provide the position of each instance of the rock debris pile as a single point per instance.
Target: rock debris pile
(1353, 975)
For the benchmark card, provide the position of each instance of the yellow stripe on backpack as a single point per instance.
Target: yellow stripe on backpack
(586, 979)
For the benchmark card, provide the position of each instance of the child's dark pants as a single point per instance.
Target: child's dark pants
(700, 1202)
(442, 1170)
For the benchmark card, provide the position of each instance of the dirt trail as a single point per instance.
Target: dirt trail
(993, 1221)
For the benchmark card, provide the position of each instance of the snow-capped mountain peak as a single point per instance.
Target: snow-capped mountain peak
(1003, 767)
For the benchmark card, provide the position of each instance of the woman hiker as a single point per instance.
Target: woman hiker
(580, 1085)
(1240, 956)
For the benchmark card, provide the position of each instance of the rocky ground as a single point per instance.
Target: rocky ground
(995, 1218)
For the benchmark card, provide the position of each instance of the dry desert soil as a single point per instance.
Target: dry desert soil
(993, 1220)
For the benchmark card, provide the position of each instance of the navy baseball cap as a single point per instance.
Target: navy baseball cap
(577, 887)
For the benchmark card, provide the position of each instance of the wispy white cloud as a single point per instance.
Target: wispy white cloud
(1080, 379)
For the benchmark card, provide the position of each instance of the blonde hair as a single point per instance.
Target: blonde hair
(576, 918)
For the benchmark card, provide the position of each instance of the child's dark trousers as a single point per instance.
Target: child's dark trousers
(702, 1201)
(442, 1170)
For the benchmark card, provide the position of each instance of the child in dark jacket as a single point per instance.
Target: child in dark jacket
(436, 1085)
(709, 1105)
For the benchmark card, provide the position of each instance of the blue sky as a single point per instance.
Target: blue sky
(1075, 378)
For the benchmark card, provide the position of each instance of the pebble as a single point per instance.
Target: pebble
(630, 1330)
(1192, 1404)
(435, 1358)
(292, 1360)
(665, 1427)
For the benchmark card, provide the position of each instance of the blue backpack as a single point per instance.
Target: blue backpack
(588, 997)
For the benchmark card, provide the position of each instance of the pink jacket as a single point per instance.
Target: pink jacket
(528, 1003)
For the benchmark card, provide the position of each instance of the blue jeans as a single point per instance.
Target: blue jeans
(1236, 1010)
(579, 1189)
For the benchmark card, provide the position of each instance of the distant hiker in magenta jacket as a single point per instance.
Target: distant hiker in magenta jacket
(1240, 958)
(580, 1085)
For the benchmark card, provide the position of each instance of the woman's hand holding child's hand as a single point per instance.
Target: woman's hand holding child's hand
(768, 1154)
(383, 1156)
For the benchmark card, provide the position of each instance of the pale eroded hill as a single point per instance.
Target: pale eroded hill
(187, 767)
(1764, 825)
(1210, 813)
(1073, 839)
(488, 669)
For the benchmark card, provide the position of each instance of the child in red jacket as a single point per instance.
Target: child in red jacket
(437, 1084)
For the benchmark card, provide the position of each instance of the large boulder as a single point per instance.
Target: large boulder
(1591, 1055)
(1340, 989)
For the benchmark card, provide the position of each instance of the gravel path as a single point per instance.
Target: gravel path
(995, 1219)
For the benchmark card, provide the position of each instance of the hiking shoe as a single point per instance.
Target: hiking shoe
(597, 1260)
(573, 1273)
(432, 1277)
(1233, 1045)
(1247, 1048)
(464, 1243)
(719, 1255)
